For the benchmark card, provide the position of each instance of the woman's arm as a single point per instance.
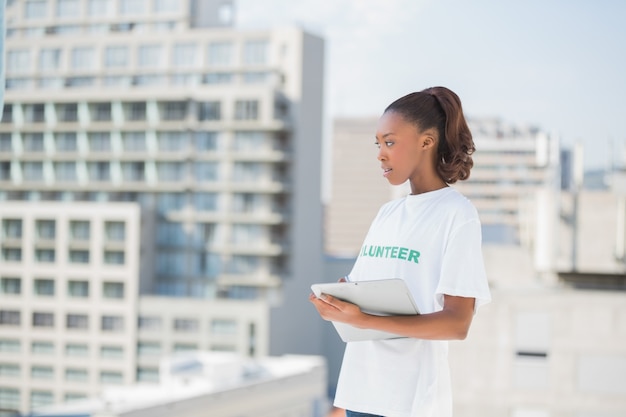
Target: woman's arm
(451, 323)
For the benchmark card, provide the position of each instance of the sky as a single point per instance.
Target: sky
(556, 64)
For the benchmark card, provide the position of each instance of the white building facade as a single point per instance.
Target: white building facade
(210, 138)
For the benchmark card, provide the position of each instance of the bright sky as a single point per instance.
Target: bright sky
(557, 64)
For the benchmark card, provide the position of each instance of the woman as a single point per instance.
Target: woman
(422, 138)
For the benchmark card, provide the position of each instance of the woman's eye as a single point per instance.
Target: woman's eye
(377, 145)
(388, 144)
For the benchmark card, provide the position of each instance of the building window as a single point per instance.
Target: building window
(46, 229)
(249, 141)
(186, 325)
(171, 263)
(217, 78)
(112, 323)
(184, 347)
(114, 257)
(133, 171)
(9, 370)
(9, 345)
(247, 172)
(126, 7)
(18, 60)
(41, 372)
(98, 7)
(184, 55)
(10, 398)
(206, 141)
(66, 142)
(12, 228)
(150, 56)
(76, 374)
(174, 110)
(170, 171)
(209, 110)
(77, 321)
(44, 255)
(116, 57)
(10, 317)
(147, 374)
(74, 396)
(99, 141)
(99, 171)
(113, 290)
(68, 8)
(49, 59)
(6, 142)
(67, 112)
(206, 171)
(173, 141)
(148, 349)
(77, 82)
(42, 348)
(111, 352)
(11, 254)
(110, 377)
(223, 326)
(33, 142)
(135, 111)
(44, 287)
(11, 286)
(246, 110)
(220, 53)
(83, 58)
(149, 323)
(76, 349)
(32, 171)
(134, 141)
(79, 256)
(40, 398)
(100, 112)
(115, 231)
(35, 9)
(80, 230)
(65, 171)
(171, 234)
(7, 114)
(78, 289)
(43, 319)
(255, 52)
(5, 171)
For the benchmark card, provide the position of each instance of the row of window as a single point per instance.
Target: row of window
(129, 111)
(187, 55)
(79, 230)
(116, 323)
(39, 9)
(46, 287)
(10, 398)
(138, 171)
(74, 256)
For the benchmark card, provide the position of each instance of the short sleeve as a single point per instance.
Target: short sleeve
(463, 268)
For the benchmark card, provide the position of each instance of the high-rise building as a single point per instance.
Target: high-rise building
(204, 138)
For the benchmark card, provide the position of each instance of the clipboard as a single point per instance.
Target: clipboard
(382, 297)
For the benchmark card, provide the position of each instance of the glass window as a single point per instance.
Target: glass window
(40, 398)
(12, 228)
(209, 110)
(67, 112)
(206, 171)
(83, 58)
(113, 290)
(218, 78)
(9, 345)
(135, 111)
(113, 257)
(68, 8)
(243, 264)
(7, 114)
(42, 348)
(171, 263)
(41, 372)
(43, 319)
(110, 377)
(170, 202)
(65, 171)
(112, 323)
(249, 141)
(79, 256)
(6, 142)
(34, 9)
(99, 171)
(77, 82)
(11, 285)
(9, 370)
(33, 142)
(206, 141)
(74, 396)
(12, 254)
(173, 141)
(145, 374)
(76, 374)
(220, 53)
(66, 141)
(166, 5)
(255, 52)
(204, 234)
(101, 112)
(18, 60)
(99, 141)
(184, 55)
(133, 171)
(246, 110)
(126, 7)
(10, 317)
(134, 141)
(44, 287)
(223, 326)
(111, 352)
(99, 7)
(148, 349)
(184, 347)
(174, 110)
(115, 231)
(247, 171)
(32, 171)
(149, 323)
(77, 349)
(5, 171)
(49, 59)
(247, 234)
(46, 229)
(186, 325)
(77, 321)
(10, 398)
(171, 234)
(150, 56)
(116, 56)
(79, 230)
(78, 289)
(45, 255)
(170, 171)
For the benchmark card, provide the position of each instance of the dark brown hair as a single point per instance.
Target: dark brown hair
(440, 108)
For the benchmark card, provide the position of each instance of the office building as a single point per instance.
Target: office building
(206, 139)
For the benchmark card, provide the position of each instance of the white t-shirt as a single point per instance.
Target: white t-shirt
(433, 242)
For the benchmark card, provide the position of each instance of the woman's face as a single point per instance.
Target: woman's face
(404, 153)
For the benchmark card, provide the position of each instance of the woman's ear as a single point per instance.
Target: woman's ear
(429, 139)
